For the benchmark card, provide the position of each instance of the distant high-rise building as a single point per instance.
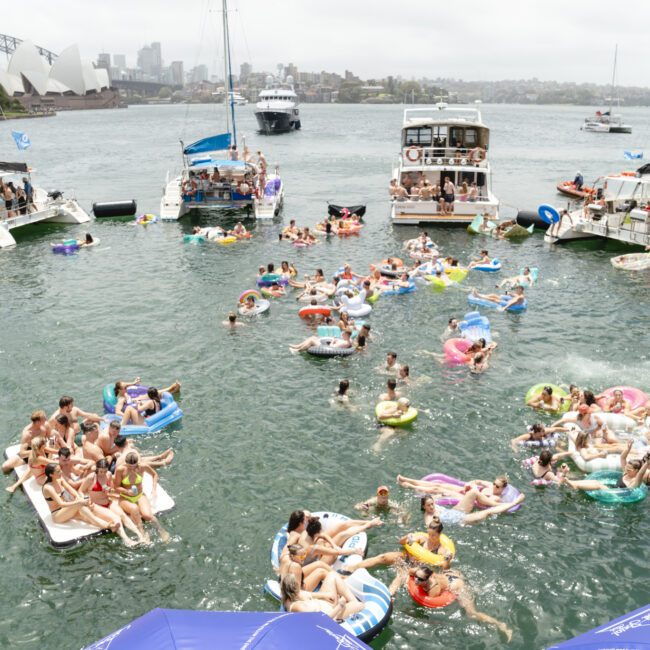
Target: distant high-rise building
(291, 70)
(156, 59)
(245, 70)
(104, 60)
(178, 75)
(145, 60)
(199, 73)
(119, 60)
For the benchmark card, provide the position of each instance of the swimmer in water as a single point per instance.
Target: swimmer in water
(382, 503)
(232, 322)
(391, 395)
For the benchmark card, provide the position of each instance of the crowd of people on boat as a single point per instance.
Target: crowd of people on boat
(415, 186)
(16, 199)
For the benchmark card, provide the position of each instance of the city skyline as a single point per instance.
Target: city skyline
(481, 41)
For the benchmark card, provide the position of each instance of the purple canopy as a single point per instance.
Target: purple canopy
(183, 629)
(628, 632)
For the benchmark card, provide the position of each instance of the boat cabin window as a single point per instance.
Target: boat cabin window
(439, 136)
(419, 136)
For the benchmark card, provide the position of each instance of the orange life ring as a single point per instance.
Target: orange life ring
(418, 153)
(422, 597)
(628, 173)
(314, 310)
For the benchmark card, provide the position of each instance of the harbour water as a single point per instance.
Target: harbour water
(260, 437)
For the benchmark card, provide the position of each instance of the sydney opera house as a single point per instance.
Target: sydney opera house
(68, 83)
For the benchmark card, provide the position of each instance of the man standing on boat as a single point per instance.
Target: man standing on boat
(578, 181)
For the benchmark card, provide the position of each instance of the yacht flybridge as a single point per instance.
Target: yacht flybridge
(38, 207)
(440, 144)
(277, 109)
(216, 176)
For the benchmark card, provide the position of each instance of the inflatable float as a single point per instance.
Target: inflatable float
(328, 519)
(632, 262)
(536, 390)
(611, 462)
(509, 494)
(169, 412)
(67, 247)
(261, 304)
(406, 418)
(456, 349)
(614, 495)
(400, 290)
(421, 597)
(357, 307)
(425, 556)
(481, 302)
(367, 623)
(269, 279)
(325, 349)
(491, 267)
(314, 310)
(635, 396)
(146, 219)
(194, 239)
(474, 327)
(73, 532)
(456, 273)
(548, 214)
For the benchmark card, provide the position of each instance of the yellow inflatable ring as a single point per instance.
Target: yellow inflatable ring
(421, 554)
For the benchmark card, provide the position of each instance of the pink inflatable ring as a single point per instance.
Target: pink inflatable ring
(635, 396)
(455, 350)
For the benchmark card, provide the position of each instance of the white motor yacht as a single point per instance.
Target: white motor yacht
(439, 143)
(277, 109)
(38, 207)
(619, 209)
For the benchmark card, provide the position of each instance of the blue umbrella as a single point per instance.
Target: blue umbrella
(628, 632)
(184, 629)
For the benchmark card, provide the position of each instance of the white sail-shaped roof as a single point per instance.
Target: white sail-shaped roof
(26, 57)
(67, 68)
(11, 83)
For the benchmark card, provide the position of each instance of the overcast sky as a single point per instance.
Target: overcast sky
(472, 40)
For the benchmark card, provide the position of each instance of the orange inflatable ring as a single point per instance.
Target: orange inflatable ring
(394, 260)
(314, 310)
(421, 597)
(628, 173)
(416, 150)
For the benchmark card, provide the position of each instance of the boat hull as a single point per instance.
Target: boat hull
(274, 121)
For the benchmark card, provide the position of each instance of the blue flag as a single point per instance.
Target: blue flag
(22, 141)
(633, 156)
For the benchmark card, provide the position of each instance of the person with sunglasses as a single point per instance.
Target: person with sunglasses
(486, 493)
(434, 584)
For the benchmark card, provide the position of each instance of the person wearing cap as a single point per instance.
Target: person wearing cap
(382, 503)
(578, 181)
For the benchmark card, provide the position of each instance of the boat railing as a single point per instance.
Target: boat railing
(414, 156)
(433, 112)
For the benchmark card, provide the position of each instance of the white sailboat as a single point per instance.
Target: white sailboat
(215, 175)
(608, 122)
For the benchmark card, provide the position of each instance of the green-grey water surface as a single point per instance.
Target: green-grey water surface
(260, 437)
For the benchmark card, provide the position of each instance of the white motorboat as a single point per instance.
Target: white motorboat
(277, 109)
(619, 209)
(38, 207)
(238, 100)
(215, 175)
(608, 121)
(439, 143)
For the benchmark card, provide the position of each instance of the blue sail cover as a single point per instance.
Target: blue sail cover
(628, 632)
(213, 143)
(181, 629)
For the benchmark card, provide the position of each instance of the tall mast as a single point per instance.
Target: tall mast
(227, 76)
(225, 62)
(611, 94)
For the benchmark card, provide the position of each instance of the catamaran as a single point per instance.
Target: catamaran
(216, 175)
